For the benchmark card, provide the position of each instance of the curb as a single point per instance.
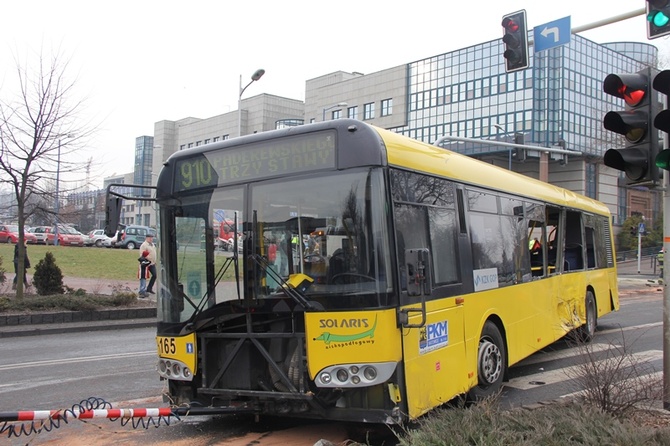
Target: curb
(35, 330)
(75, 321)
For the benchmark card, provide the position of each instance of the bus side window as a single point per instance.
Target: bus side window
(574, 248)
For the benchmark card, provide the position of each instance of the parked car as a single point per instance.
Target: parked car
(132, 236)
(67, 236)
(10, 234)
(98, 238)
(40, 233)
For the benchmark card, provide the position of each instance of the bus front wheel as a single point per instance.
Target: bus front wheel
(491, 363)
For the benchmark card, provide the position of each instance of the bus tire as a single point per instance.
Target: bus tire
(491, 363)
(586, 331)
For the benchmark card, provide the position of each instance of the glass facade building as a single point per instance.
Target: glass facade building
(558, 101)
(468, 93)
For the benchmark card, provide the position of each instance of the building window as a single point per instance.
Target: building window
(182, 147)
(197, 143)
(337, 114)
(387, 107)
(207, 141)
(216, 138)
(226, 137)
(312, 120)
(190, 145)
(352, 112)
(369, 111)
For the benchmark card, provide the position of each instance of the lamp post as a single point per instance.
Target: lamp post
(509, 152)
(254, 77)
(341, 104)
(57, 207)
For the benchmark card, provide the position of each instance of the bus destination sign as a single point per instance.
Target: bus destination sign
(285, 156)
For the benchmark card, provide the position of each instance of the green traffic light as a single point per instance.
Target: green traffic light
(663, 159)
(659, 18)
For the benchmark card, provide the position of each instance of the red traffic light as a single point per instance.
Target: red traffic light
(510, 25)
(515, 38)
(632, 88)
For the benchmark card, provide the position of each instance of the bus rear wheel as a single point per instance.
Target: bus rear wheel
(491, 363)
(588, 329)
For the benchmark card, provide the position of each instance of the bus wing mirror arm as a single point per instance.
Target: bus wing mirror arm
(403, 315)
(418, 284)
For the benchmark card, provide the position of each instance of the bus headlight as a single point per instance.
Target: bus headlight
(355, 375)
(173, 369)
(370, 373)
(342, 375)
(325, 378)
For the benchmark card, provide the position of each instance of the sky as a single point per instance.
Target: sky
(140, 62)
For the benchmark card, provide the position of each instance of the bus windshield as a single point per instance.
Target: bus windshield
(330, 228)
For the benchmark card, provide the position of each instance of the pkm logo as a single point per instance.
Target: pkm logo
(437, 330)
(436, 336)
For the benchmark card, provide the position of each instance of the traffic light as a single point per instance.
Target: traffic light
(638, 157)
(662, 119)
(658, 18)
(515, 38)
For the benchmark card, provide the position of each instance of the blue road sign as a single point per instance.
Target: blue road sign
(552, 34)
(641, 229)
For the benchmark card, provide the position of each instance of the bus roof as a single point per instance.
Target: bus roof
(408, 153)
(376, 146)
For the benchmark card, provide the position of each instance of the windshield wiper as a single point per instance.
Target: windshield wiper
(234, 260)
(290, 291)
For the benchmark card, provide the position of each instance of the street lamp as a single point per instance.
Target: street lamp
(509, 152)
(341, 104)
(57, 207)
(254, 77)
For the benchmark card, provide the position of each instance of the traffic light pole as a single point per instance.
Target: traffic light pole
(666, 291)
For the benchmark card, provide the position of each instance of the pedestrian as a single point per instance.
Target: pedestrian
(149, 246)
(143, 273)
(26, 265)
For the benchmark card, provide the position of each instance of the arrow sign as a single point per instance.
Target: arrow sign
(552, 34)
(553, 30)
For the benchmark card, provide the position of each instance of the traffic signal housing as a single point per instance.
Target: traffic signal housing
(662, 119)
(515, 38)
(658, 18)
(635, 123)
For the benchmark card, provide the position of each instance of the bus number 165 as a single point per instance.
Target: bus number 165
(166, 346)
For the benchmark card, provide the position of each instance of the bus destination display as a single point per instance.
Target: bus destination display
(295, 154)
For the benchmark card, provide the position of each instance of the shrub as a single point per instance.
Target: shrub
(48, 278)
(122, 299)
(555, 424)
(3, 277)
(616, 380)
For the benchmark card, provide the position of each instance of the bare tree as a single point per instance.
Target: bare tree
(39, 132)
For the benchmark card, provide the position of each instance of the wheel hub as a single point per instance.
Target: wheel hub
(490, 362)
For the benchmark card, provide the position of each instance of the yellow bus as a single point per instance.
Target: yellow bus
(373, 278)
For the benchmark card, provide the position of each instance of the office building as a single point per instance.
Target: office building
(558, 103)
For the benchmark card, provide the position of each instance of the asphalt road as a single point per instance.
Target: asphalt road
(56, 371)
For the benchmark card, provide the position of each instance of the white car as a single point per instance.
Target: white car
(98, 238)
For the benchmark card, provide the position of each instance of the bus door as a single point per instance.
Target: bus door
(433, 338)
(573, 284)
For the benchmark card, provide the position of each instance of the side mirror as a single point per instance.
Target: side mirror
(112, 214)
(418, 272)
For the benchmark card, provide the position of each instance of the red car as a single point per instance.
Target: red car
(67, 236)
(10, 234)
